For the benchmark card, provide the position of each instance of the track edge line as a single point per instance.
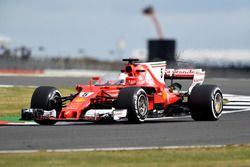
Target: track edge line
(113, 149)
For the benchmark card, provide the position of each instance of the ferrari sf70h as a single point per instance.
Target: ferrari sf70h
(139, 92)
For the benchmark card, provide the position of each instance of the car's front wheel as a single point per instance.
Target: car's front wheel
(46, 98)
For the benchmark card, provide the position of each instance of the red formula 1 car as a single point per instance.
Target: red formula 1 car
(139, 92)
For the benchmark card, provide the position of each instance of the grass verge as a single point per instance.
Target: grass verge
(229, 156)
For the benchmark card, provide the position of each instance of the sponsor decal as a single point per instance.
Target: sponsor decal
(85, 94)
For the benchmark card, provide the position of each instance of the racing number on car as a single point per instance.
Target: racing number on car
(85, 94)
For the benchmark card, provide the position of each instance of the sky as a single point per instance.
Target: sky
(63, 27)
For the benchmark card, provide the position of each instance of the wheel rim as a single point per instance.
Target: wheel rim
(142, 107)
(218, 103)
(54, 103)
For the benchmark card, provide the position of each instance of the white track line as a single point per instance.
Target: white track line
(111, 149)
(247, 99)
(167, 118)
(234, 95)
(235, 107)
(237, 97)
(236, 111)
(13, 86)
(238, 103)
(240, 100)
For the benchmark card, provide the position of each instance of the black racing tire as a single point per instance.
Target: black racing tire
(206, 103)
(135, 100)
(46, 98)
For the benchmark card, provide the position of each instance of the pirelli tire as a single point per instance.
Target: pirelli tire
(135, 100)
(206, 103)
(46, 98)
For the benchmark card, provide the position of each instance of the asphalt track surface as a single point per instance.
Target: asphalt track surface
(230, 129)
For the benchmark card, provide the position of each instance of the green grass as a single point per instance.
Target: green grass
(12, 100)
(215, 157)
(11, 119)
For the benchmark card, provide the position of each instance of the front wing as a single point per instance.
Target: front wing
(91, 115)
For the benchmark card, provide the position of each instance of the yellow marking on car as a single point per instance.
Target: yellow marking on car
(79, 99)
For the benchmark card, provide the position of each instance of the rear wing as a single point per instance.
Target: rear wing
(197, 75)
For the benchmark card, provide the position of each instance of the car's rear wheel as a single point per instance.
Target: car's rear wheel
(206, 103)
(135, 100)
(46, 98)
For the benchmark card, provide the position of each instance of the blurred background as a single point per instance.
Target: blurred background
(92, 34)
